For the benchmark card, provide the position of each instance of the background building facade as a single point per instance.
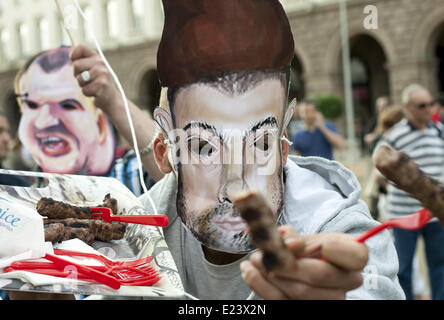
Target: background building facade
(406, 46)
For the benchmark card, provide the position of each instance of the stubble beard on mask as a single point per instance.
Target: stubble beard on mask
(201, 224)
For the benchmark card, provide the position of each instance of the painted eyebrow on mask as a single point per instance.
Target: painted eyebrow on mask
(202, 125)
(270, 121)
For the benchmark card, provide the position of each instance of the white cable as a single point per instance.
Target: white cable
(190, 296)
(122, 92)
(251, 296)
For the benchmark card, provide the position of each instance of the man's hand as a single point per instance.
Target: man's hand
(101, 87)
(330, 278)
(319, 121)
(335, 139)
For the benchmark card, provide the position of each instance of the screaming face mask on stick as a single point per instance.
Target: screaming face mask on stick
(60, 127)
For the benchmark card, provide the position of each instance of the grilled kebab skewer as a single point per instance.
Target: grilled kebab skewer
(255, 210)
(406, 175)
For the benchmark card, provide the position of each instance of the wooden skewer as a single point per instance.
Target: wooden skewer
(255, 210)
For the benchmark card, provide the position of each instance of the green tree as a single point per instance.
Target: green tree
(330, 106)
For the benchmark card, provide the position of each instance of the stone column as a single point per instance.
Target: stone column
(55, 29)
(34, 35)
(126, 21)
(100, 19)
(14, 41)
(152, 23)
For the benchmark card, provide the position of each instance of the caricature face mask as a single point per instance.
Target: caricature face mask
(61, 128)
(225, 140)
(223, 63)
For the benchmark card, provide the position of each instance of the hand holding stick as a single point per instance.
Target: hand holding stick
(288, 270)
(262, 223)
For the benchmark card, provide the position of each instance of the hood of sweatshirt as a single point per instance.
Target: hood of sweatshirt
(316, 191)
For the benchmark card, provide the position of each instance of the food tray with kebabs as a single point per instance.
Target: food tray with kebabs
(70, 214)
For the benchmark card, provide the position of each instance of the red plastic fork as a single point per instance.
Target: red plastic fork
(140, 276)
(85, 271)
(130, 272)
(412, 222)
(30, 265)
(107, 262)
(150, 220)
(52, 273)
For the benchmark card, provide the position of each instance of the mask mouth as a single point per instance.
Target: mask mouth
(226, 217)
(54, 141)
(220, 228)
(53, 145)
(234, 224)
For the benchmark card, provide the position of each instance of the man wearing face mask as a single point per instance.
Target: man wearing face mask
(224, 115)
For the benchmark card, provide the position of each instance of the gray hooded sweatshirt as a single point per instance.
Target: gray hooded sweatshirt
(321, 196)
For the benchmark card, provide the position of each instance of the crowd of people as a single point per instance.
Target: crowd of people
(226, 90)
(415, 128)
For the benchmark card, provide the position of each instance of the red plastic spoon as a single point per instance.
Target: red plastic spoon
(412, 222)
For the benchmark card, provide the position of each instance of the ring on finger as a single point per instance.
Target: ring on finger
(86, 76)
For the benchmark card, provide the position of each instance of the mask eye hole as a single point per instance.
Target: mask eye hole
(201, 147)
(263, 143)
(69, 106)
(31, 104)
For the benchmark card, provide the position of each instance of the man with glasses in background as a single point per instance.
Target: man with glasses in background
(423, 141)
